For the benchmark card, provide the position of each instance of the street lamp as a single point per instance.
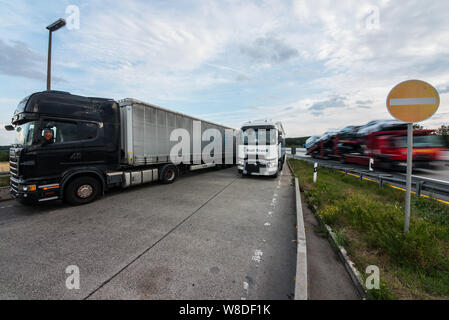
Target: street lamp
(53, 27)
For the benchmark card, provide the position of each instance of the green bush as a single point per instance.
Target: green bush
(341, 238)
(383, 293)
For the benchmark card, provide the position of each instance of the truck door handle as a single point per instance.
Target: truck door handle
(75, 156)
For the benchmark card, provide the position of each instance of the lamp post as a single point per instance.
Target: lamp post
(51, 28)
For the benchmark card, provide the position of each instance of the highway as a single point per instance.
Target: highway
(436, 175)
(210, 235)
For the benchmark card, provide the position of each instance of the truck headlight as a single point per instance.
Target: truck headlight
(29, 188)
(272, 163)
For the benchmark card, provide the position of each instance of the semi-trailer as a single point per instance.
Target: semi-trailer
(381, 142)
(261, 150)
(75, 148)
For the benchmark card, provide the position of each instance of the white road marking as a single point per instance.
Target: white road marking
(257, 255)
(425, 178)
(10, 206)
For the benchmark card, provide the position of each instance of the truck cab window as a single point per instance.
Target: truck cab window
(87, 130)
(259, 136)
(29, 135)
(63, 131)
(25, 134)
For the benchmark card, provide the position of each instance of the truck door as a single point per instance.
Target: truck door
(62, 151)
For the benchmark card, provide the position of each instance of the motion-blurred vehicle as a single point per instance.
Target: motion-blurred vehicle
(384, 141)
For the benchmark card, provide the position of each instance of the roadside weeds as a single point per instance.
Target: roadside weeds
(367, 221)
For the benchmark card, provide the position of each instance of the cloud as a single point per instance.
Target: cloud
(269, 49)
(334, 102)
(290, 60)
(6, 137)
(443, 89)
(18, 60)
(360, 102)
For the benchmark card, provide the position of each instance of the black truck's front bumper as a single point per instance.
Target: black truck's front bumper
(31, 192)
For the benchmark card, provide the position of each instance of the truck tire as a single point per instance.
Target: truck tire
(82, 190)
(168, 174)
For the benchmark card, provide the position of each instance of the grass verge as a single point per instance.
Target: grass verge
(4, 181)
(369, 221)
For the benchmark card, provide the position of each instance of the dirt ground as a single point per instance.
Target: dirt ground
(4, 166)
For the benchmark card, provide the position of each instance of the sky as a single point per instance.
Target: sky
(314, 65)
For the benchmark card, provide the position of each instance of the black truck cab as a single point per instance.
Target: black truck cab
(63, 142)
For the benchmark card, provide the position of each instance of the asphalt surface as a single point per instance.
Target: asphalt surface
(210, 235)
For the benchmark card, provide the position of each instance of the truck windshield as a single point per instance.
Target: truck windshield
(22, 104)
(24, 134)
(429, 141)
(258, 137)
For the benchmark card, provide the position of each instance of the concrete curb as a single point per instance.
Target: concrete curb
(4, 194)
(301, 282)
(354, 274)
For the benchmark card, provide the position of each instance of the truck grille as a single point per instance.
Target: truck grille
(254, 167)
(14, 169)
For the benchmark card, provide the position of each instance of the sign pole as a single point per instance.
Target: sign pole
(409, 176)
(412, 101)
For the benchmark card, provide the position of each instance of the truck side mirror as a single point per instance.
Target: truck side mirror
(48, 136)
(9, 128)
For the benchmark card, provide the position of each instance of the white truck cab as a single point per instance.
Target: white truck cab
(261, 148)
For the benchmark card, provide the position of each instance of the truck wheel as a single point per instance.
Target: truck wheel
(82, 190)
(168, 174)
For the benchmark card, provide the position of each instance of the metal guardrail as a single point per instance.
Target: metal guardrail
(419, 184)
(4, 174)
